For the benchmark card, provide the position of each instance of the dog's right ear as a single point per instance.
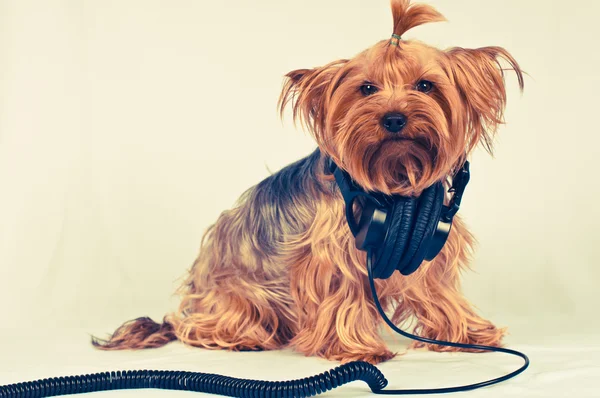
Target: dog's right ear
(309, 92)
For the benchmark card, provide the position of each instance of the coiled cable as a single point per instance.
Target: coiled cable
(199, 382)
(234, 387)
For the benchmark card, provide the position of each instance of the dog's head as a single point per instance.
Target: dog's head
(402, 115)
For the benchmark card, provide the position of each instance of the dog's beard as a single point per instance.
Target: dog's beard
(400, 165)
(405, 163)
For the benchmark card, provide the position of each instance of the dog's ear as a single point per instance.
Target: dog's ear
(309, 92)
(479, 77)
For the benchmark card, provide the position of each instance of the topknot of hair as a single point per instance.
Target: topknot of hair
(407, 15)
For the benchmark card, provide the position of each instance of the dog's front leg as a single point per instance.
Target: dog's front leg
(433, 296)
(337, 318)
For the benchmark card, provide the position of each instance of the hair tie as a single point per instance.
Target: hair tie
(395, 40)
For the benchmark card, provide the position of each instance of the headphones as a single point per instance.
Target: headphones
(400, 231)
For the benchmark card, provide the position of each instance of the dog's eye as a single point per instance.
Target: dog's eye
(368, 89)
(424, 86)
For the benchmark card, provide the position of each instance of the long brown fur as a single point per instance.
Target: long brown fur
(281, 269)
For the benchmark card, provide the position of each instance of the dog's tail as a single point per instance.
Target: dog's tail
(138, 334)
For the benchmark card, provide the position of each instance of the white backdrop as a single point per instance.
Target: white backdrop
(126, 127)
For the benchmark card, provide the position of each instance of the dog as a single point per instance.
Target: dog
(281, 270)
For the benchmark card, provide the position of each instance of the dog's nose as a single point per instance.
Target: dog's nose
(394, 122)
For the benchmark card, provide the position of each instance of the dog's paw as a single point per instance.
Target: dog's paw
(371, 357)
(490, 336)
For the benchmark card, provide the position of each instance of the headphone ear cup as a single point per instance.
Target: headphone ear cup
(392, 248)
(428, 211)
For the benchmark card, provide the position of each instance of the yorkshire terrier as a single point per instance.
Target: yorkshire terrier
(281, 268)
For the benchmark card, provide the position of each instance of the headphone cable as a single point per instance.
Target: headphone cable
(439, 342)
(234, 387)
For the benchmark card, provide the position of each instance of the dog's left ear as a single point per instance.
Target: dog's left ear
(309, 92)
(479, 77)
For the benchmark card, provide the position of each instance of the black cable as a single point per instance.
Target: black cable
(230, 386)
(199, 382)
(438, 342)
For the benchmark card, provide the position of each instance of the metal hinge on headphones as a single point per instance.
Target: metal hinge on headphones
(459, 183)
